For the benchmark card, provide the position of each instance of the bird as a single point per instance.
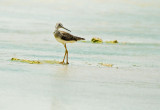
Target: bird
(64, 38)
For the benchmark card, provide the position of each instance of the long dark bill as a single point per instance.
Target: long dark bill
(66, 29)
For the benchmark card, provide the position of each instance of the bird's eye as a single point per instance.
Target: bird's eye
(61, 25)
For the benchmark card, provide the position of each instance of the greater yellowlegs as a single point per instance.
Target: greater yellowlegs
(64, 37)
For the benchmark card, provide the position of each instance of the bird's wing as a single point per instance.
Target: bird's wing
(69, 37)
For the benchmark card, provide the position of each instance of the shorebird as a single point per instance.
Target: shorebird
(64, 37)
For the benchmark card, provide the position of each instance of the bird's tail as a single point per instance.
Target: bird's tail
(80, 38)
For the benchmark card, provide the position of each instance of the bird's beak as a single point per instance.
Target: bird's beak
(66, 29)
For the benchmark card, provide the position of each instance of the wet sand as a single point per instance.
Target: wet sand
(73, 87)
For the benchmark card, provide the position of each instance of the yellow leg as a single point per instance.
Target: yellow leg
(64, 54)
(67, 55)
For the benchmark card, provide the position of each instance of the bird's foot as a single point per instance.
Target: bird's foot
(62, 62)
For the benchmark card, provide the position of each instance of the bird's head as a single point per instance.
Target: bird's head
(59, 25)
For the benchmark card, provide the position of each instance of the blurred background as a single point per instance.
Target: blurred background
(122, 20)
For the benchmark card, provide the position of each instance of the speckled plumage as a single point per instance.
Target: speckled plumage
(64, 37)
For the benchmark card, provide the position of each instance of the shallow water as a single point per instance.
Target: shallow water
(133, 82)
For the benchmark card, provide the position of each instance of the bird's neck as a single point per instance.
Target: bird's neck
(56, 31)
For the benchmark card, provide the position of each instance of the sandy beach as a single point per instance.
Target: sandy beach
(61, 87)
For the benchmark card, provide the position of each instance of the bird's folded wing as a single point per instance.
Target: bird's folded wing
(68, 37)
